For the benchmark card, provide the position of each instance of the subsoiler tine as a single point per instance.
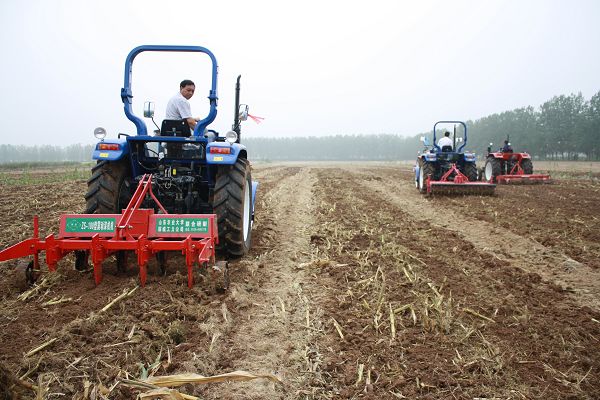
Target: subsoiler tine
(458, 188)
(97, 258)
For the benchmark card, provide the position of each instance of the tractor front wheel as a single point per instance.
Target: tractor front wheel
(493, 168)
(232, 203)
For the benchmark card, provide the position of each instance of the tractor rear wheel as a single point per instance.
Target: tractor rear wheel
(527, 166)
(425, 169)
(493, 168)
(232, 203)
(108, 188)
(470, 171)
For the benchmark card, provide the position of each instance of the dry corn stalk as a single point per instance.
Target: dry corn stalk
(182, 379)
(392, 322)
(41, 347)
(338, 328)
(125, 293)
(475, 313)
(167, 394)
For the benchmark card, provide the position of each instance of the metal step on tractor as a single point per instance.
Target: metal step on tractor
(448, 169)
(176, 190)
(506, 166)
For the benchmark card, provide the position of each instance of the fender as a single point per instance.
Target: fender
(469, 157)
(111, 150)
(417, 169)
(254, 188)
(223, 153)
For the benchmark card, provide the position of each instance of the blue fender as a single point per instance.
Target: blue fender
(254, 188)
(101, 153)
(469, 157)
(416, 168)
(219, 155)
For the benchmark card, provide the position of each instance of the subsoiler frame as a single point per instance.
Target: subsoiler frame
(138, 230)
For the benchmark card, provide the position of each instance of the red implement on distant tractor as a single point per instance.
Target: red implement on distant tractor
(510, 167)
(135, 230)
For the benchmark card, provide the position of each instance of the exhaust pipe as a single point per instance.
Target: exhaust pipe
(237, 126)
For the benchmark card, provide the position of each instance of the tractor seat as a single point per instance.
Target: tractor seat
(175, 127)
(446, 149)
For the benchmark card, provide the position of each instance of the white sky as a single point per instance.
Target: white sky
(308, 67)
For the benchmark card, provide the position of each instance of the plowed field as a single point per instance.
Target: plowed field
(356, 287)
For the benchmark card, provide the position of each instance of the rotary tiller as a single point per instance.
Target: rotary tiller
(455, 182)
(508, 167)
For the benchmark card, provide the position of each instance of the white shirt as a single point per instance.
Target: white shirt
(445, 141)
(178, 108)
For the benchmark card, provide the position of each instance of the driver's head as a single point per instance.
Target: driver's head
(187, 88)
(447, 134)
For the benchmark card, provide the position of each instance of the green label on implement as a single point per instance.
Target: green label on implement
(181, 225)
(90, 224)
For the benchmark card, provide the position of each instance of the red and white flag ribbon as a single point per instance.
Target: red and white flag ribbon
(258, 120)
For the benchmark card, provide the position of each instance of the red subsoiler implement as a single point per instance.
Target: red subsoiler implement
(135, 230)
(509, 167)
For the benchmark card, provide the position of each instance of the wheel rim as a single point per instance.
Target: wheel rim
(246, 222)
(488, 171)
(421, 178)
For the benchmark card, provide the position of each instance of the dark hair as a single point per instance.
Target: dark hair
(446, 133)
(185, 82)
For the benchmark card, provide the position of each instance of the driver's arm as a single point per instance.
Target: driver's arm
(191, 122)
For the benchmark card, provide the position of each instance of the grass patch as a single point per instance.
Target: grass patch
(44, 174)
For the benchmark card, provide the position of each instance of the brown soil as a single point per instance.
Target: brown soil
(356, 287)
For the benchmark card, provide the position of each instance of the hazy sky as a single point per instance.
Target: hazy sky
(308, 67)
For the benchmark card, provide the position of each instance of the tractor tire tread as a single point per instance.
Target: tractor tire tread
(228, 204)
(105, 186)
(527, 166)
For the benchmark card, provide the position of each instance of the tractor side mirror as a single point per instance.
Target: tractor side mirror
(243, 112)
(424, 140)
(148, 109)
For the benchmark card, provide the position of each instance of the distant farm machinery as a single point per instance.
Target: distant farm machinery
(447, 169)
(506, 166)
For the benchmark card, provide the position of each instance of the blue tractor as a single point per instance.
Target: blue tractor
(199, 172)
(447, 168)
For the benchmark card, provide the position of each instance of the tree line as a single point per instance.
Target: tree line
(562, 128)
(45, 153)
(565, 127)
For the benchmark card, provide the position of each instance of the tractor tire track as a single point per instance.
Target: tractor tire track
(270, 296)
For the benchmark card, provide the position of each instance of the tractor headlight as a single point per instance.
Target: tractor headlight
(231, 137)
(100, 133)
